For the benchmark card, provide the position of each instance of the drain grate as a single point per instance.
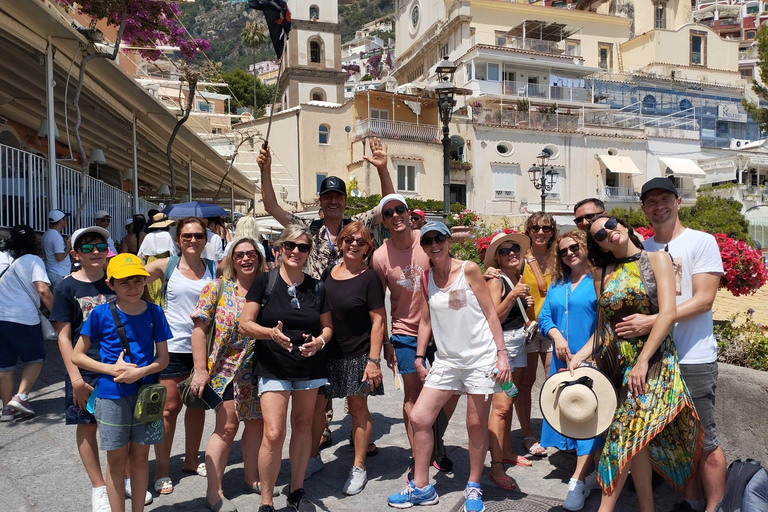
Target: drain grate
(517, 502)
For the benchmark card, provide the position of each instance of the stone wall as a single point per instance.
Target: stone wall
(741, 412)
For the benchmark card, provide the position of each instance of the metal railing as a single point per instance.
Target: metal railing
(538, 45)
(526, 120)
(623, 119)
(550, 92)
(396, 130)
(619, 194)
(24, 194)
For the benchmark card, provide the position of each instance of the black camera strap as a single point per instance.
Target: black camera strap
(120, 329)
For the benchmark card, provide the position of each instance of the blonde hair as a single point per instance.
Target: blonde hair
(228, 265)
(559, 270)
(247, 227)
(292, 232)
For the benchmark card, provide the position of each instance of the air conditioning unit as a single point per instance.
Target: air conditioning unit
(738, 143)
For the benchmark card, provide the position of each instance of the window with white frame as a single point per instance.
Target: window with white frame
(319, 178)
(480, 70)
(406, 177)
(324, 133)
(493, 72)
(504, 178)
(377, 113)
(468, 71)
(203, 106)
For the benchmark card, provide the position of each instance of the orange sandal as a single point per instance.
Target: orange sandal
(506, 483)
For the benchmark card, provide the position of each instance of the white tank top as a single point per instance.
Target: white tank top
(181, 298)
(462, 334)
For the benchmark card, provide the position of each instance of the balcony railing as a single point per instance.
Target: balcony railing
(750, 53)
(396, 130)
(619, 195)
(636, 120)
(24, 194)
(539, 45)
(549, 92)
(525, 120)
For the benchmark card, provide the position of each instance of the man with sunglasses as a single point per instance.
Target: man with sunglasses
(399, 262)
(102, 219)
(698, 268)
(586, 211)
(418, 219)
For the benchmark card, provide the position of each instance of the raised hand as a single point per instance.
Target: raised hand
(378, 156)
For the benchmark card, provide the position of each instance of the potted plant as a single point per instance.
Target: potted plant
(462, 225)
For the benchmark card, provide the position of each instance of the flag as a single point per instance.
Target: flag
(278, 18)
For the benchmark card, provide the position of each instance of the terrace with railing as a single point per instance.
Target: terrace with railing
(24, 194)
(525, 119)
(539, 45)
(396, 130)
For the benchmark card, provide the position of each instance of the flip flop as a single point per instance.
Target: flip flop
(533, 447)
(199, 470)
(164, 485)
(506, 483)
(518, 461)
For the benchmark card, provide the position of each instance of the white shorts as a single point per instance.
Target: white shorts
(470, 381)
(514, 341)
(539, 343)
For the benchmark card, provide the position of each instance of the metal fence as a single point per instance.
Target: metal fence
(523, 119)
(396, 130)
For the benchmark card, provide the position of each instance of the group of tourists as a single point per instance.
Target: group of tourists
(223, 325)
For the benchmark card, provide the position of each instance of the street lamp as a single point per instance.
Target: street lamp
(543, 177)
(445, 91)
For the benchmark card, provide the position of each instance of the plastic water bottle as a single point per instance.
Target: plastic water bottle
(508, 387)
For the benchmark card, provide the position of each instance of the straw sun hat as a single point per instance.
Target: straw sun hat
(579, 406)
(515, 238)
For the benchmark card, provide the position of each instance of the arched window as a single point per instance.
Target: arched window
(457, 148)
(685, 104)
(649, 101)
(315, 51)
(317, 95)
(314, 12)
(324, 134)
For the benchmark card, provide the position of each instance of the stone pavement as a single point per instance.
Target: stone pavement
(40, 469)
(726, 305)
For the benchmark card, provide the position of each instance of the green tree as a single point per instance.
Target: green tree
(755, 111)
(716, 215)
(254, 35)
(241, 87)
(632, 216)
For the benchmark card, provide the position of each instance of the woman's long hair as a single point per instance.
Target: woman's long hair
(538, 219)
(600, 258)
(228, 265)
(138, 224)
(559, 271)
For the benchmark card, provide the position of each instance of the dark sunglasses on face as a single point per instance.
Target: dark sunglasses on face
(601, 234)
(429, 240)
(571, 248)
(415, 219)
(399, 209)
(545, 229)
(290, 246)
(349, 240)
(187, 237)
(589, 217)
(504, 251)
(292, 294)
(105, 219)
(88, 248)
(240, 255)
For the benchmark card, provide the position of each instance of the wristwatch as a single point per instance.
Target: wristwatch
(376, 360)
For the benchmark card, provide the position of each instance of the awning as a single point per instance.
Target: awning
(681, 167)
(618, 164)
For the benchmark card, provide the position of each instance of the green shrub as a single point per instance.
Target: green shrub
(742, 343)
(634, 216)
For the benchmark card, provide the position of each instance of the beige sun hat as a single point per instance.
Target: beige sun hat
(579, 406)
(516, 238)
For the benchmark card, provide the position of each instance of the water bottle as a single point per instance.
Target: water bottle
(508, 387)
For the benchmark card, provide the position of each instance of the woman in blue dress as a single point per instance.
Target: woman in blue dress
(568, 318)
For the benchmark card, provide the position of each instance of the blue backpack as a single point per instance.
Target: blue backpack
(746, 488)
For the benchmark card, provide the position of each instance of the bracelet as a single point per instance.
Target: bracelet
(418, 357)
(77, 380)
(501, 350)
(322, 340)
(374, 360)
(387, 343)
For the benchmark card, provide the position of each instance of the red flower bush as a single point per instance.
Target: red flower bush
(484, 242)
(744, 269)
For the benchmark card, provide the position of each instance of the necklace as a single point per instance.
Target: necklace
(629, 259)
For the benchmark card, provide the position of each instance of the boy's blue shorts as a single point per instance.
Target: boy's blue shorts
(117, 427)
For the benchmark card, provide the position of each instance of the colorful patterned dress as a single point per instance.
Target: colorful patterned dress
(664, 418)
(231, 357)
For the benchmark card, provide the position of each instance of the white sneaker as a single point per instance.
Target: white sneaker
(358, 477)
(574, 500)
(100, 500)
(314, 465)
(147, 496)
(591, 483)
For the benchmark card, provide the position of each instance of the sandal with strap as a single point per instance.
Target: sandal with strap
(200, 470)
(533, 447)
(506, 483)
(164, 485)
(519, 460)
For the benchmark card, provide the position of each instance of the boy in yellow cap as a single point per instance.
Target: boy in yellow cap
(122, 373)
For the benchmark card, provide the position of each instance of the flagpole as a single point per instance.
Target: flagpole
(274, 100)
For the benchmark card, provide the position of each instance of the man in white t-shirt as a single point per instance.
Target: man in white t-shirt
(102, 219)
(698, 268)
(56, 249)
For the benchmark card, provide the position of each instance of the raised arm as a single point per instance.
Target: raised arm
(268, 191)
(379, 159)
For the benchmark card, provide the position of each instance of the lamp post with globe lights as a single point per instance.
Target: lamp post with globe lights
(445, 91)
(543, 176)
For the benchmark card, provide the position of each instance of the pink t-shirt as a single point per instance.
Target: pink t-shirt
(400, 271)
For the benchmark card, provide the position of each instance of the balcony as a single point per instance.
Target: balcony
(519, 89)
(539, 46)
(635, 120)
(525, 120)
(747, 195)
(749, 53)
(619, 195)
(396, 130)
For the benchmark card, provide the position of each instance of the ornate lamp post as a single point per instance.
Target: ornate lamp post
(542, 176)
(445, 91)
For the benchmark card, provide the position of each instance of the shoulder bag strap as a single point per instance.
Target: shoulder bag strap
(34, 298)
(319, 294)
(518, 300)
(536, 271)
(120, 329)
(173, 264)
(6, 269)
(425, 283)
(271, 283)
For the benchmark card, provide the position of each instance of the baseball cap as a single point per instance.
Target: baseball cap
(391, 197)
(658, 184)
(333, 184)
(128, 221)
(92, 229)
(101, 214)
(125, 265)
(419, 212)
(434, 226)
(56, 215)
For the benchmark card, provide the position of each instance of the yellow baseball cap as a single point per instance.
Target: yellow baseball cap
(125, 265)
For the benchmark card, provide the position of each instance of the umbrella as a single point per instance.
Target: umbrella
(194, 209)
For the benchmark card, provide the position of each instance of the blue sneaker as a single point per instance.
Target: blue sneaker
(473, 498)
(411, 496)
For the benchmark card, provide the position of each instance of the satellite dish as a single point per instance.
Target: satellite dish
(355, 193)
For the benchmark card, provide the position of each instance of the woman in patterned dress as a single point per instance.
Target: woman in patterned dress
(229, 368)
(655, 423)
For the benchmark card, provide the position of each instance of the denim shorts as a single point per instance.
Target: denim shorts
(20, 341)
(117, 427)
(701, 380)
(178, 364)
(72, 413)
(405, 350)
(267, 384)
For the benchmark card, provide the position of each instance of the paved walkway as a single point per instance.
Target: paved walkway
(726, 305)
(40, 469)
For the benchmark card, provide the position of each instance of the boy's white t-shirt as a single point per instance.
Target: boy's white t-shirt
(693, 252)
(53, 243)
(16, 305)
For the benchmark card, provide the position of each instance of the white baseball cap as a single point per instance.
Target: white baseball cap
(56, 215)
(101, 214)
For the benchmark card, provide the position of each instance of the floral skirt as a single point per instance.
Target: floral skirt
(344, 376)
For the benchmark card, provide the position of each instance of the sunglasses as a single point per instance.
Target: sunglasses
(601, 234)
(426, 241)
(349, 240)
(571, 248)
(89, 248)
(105, 219)
(189, 236)
(290, 246)
(589, 217)
(292, 294)
(399, 209)
(504, 251)
(242, 254)
(415, 219)
(545, 229)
